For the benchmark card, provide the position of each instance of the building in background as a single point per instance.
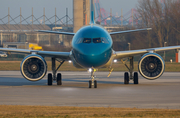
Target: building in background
(178, 57)
(81, 9)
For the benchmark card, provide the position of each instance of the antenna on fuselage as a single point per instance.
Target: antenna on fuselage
(92, 13)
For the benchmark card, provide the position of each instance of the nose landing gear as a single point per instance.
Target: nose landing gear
(93, 82)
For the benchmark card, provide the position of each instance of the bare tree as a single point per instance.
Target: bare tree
(163, 17)
(151, 13)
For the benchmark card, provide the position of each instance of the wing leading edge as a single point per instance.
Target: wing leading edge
(124, 54)
(128, 31)
(55, 32)
(61, 55)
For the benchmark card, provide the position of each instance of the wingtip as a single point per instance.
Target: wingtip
(149, 28)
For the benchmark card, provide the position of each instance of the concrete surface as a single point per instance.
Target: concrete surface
(111, 92)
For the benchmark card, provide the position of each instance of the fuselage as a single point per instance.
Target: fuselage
(92, 46)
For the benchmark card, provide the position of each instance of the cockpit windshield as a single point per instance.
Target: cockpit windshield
(87, 40)
(97, 40)
(92, 40)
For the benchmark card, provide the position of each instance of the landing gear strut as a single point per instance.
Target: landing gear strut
(127, 78)
(93, 82)
(52, 77)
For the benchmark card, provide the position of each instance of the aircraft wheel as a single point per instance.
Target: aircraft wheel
(95, 84)
(136, 78)
(50, 81)
(126, 78)
(59, 79)
(90, 83)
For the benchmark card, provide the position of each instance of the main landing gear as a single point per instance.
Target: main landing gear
(52, 77)
(127, 78)
(93, 82)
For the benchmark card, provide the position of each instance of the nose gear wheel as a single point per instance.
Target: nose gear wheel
(93, 82)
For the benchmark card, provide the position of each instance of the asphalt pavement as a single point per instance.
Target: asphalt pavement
(111, 92)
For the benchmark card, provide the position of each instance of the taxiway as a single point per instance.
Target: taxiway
(111, 92)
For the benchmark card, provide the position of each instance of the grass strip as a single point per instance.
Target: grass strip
(7, 111)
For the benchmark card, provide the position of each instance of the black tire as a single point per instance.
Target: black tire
(90, 83)
(95, 84)
(126, 78)
(50, 80)
(136, 78)
(59, 79)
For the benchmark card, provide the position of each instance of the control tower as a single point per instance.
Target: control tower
(81, 9)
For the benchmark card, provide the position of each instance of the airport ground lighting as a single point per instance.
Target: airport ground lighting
(129, 46)
(165, 51)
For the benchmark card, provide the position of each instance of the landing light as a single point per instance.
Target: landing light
(70, 61)
(115, 61)
(90, 70)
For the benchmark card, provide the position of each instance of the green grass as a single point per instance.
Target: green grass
(15, 65)
(83, 112)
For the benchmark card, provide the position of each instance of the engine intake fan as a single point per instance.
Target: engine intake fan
(33, 67)
(151, 66)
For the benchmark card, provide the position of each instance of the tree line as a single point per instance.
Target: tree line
(162, 17)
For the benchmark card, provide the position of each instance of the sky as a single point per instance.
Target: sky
(60, 5)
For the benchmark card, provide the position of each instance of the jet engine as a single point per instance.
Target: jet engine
(33, 67)
(151, 66)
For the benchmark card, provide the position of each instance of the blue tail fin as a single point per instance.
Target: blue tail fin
(92, 13)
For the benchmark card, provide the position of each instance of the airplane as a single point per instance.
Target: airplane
(92, 49)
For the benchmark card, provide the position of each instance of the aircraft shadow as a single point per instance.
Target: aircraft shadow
(9, 81)
(87, 79)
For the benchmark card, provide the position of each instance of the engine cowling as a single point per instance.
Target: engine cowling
(33, 67)
(151, 66)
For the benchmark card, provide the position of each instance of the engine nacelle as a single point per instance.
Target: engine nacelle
(33, 67)
(151, 66)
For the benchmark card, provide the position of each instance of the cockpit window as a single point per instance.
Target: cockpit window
(87, 40)
(94, 40)
(97, 40)
(79, 41)
(104, 40)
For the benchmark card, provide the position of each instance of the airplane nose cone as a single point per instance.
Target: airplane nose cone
(93, 56)
(92, 50)
(94, 60)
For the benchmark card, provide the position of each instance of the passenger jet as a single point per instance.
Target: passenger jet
(92, 49)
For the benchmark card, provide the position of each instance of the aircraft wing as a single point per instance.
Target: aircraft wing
(127, 31)
(124, 54)
(55, 32)
(61, 55)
